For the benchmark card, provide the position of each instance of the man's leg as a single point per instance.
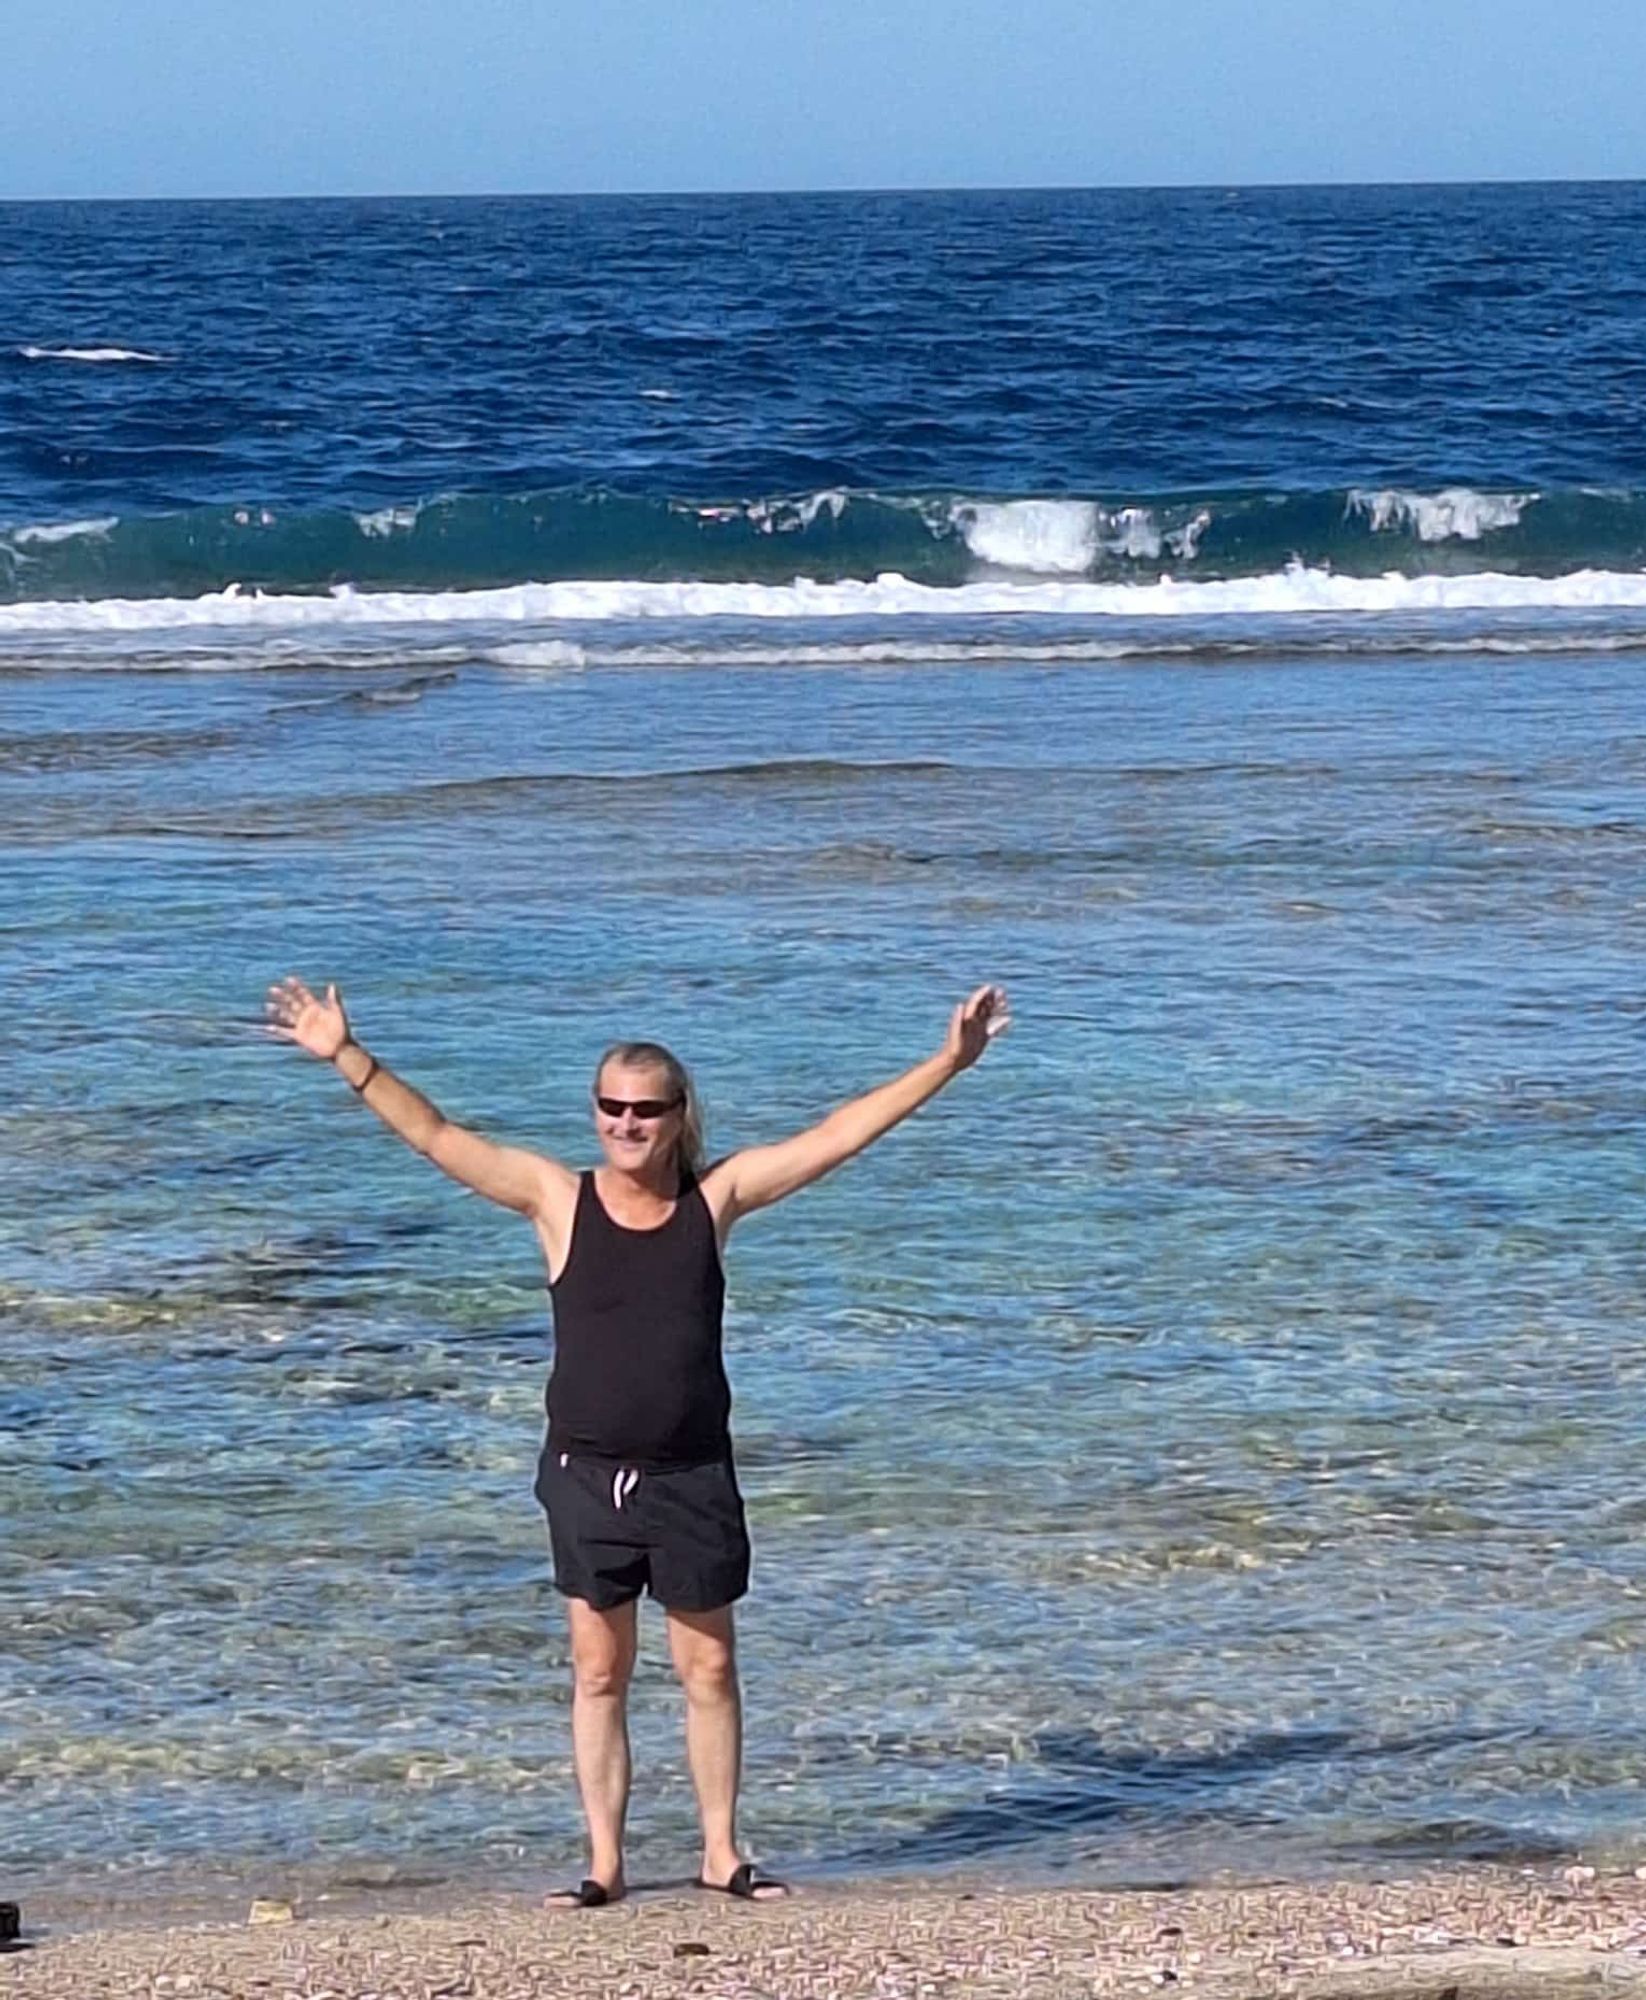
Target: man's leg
(703, 1647)
(603, 1647)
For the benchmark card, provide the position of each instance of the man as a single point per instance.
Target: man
(636, 1473)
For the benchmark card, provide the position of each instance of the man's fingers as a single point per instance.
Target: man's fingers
(988, 1009)
(291, 992)
(288, 1001)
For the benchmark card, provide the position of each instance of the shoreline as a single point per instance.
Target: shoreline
(1480, 1931)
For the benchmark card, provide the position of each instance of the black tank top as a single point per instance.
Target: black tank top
(638, 1374)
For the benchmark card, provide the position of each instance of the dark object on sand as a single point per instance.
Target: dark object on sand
(588, 1895)
(746, 1883)
(11, 1927)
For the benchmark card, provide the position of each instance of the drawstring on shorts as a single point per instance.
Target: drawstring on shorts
(625, 1481)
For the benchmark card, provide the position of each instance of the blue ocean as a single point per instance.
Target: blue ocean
(1206, 1440)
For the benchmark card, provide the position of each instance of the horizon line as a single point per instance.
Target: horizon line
(808, 193)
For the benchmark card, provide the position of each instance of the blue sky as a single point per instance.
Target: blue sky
(222, 97)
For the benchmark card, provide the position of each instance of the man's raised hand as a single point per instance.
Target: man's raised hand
(975, 1023)
(295, 1015)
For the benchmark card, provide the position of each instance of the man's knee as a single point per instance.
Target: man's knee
(602, 1649)
(601, 1674)
(708, 1671)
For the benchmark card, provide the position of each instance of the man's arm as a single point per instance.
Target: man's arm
(761, 1175)
(509, 1175)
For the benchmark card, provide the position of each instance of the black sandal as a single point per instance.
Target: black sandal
(588, 1895)
(745, 1883)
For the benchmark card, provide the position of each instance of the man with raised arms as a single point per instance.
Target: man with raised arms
(636, 1473)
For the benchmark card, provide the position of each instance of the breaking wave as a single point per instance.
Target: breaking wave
(944, 541)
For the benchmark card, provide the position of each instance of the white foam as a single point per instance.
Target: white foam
(558, 655)
(1185, 541)
(104, 354)
(1134, 533)
(787, 517)
(63, 531)
(713, 649)
(554, 655)
(1065, 537)
(387, 521)
(1046, 537)
(1455, 513)
(1057, 652)
(1283, 593)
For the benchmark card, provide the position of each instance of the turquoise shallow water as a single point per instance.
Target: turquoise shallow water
(1208, 1436)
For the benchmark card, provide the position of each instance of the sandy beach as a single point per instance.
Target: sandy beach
(1454, 1935)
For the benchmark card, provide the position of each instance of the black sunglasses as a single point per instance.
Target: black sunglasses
(642, 1107)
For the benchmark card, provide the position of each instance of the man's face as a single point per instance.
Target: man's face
(637, 1116)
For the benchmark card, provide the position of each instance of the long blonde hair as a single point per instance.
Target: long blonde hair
(653, 1055)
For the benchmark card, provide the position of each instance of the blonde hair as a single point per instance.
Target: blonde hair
(653, 1055)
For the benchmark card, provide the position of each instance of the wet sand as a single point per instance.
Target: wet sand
(1457, 1934)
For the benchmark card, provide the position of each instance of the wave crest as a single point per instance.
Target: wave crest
(489, 541)
(1455, 512)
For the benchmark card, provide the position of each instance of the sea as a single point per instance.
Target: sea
(1207, 1441)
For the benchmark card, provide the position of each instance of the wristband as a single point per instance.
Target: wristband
(375, 1065)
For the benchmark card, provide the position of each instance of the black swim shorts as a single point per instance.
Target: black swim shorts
(616, 1530)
